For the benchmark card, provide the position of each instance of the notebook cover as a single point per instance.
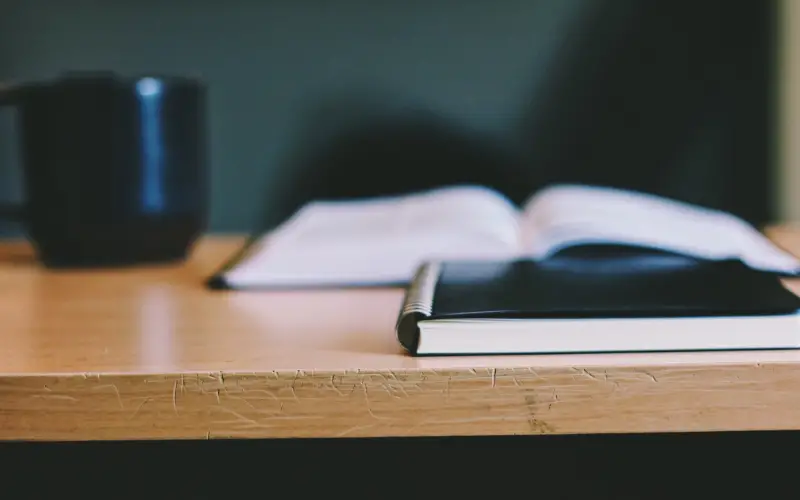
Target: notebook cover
(629, 286)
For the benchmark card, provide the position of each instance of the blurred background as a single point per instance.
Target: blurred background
(688, 99)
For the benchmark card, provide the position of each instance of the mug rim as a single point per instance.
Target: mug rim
(103, 77)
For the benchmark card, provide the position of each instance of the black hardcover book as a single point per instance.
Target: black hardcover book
(622, 303)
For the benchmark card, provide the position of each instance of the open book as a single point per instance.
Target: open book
(382, 241)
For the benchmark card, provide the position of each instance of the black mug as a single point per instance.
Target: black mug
(114, 169)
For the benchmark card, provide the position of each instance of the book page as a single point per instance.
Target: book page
(383, 239)
(569, 215)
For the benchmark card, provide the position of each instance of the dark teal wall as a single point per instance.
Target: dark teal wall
(270, 63)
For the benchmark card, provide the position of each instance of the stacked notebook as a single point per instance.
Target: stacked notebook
(575, 269)
(579, 304)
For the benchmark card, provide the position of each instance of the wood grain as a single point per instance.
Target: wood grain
(149, 353)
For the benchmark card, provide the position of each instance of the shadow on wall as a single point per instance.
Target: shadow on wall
(355, 146)
(672, 98)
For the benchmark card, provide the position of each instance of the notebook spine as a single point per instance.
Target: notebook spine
(418, 304)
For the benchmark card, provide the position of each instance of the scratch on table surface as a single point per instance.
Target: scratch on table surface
(354, 429)
(652, 377)
(241, 419)
(62, 397)
(589, 374)
(141, 405)
(114, 388)
(585, 373)
(269, 394)
(243, 400)
(335, 387)
(368, 402)
(175, 397)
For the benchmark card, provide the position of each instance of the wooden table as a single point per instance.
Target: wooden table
(149, 353)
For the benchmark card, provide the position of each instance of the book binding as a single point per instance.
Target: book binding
(417, 304)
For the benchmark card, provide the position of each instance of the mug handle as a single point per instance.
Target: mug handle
(10, 211)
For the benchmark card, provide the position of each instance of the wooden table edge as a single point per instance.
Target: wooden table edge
(401, 403)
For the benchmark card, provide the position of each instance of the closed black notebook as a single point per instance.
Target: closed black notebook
(651, 302)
